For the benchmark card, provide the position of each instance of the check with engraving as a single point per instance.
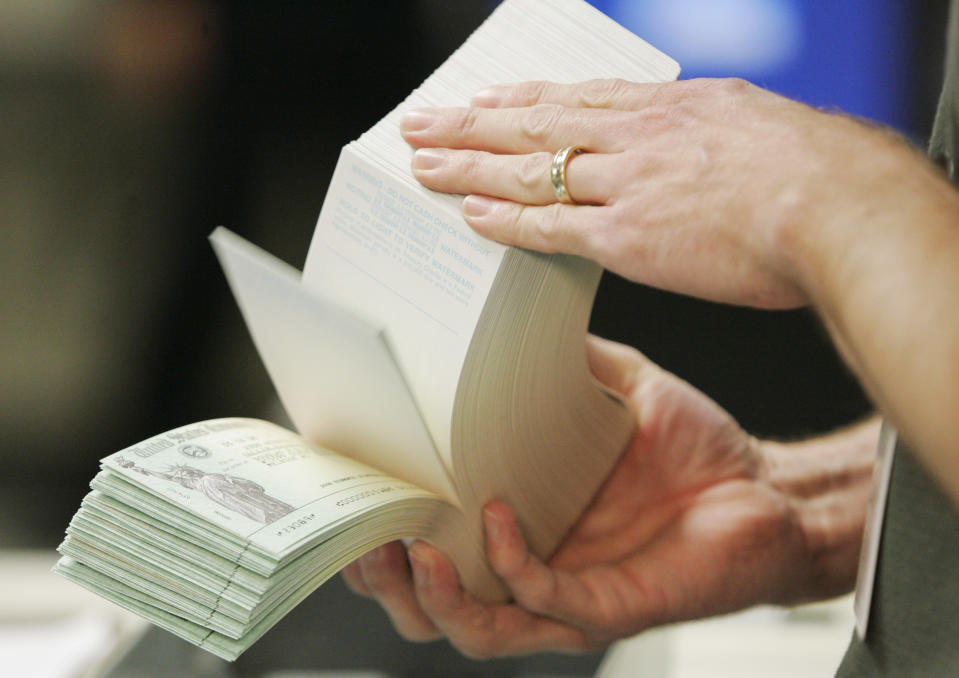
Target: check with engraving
(211, 530)
(253, 479)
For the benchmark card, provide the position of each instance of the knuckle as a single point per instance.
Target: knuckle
(470, 166)
(667, 93)
(417, 634)
(736, 85)
(478, 636)
(657, 118)
(539, 121)
(699, 85)
(539, 598)
(610, 244)
(514, 220)
(548, 224)
(468, 122)
(596, 242)
(531, 173)
(482, 646)
(719, 86)
(529, 93)
(602, 93)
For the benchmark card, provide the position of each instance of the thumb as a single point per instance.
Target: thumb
(616, 366)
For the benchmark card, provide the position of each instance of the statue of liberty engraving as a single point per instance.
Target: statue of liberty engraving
(237, 494)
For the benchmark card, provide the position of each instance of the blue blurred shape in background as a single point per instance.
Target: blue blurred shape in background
(847, 54)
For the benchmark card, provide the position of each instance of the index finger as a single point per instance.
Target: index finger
(483, 631)
(384, 575)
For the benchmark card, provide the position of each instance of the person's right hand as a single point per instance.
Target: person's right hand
(696, 519)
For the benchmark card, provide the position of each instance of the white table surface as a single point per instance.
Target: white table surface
(804, 642)
(53, 628)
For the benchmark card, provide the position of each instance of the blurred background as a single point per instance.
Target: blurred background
(129, 129)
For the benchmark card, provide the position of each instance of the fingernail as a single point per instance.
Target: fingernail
(420, 567)
(489, 97)
(372, 557)
(417, 120)
(428, 158)
(477, 206)
(493, 527)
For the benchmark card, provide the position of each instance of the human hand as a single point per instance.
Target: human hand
(690, 523)
(705, 187)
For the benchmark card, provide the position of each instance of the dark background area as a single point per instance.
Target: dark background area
(130, 129)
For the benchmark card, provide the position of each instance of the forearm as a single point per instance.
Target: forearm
(882, 271)
(827, 480)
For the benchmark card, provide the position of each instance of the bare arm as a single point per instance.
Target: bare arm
(883, 274)
(722, 190)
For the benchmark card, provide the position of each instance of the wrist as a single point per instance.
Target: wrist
(826, 482)
(877, 257)
(853, 180)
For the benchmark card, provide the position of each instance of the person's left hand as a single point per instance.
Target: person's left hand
(713, 188)
(688, 524)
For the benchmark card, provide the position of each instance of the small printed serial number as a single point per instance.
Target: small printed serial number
(363, 495)
(295, 525)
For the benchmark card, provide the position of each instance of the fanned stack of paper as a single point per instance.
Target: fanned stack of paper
(446, 369)
(210, 530)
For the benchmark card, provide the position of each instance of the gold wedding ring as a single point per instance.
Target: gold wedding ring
(557, 172)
